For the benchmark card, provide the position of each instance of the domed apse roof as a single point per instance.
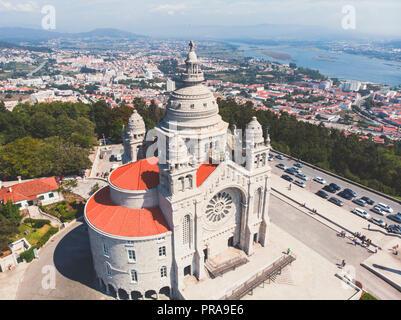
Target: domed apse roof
(136, 123)
(139, 175)
(104, 215)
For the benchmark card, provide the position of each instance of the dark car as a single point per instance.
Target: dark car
(395, 217)
(345, 195)
(280, 157)
(291, 171)
(297, 164)
(351, 192)
(336, 201)
(335, 186)
(329, 189)
(368, 200)
(394, 229)
(287, 177)
(322, 194)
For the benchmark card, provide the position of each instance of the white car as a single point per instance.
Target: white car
(385, 207)
(319, 180)
(300, 183)
(362, 213)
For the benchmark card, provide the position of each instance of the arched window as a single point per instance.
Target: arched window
(163, 272)
(186, 231)
(188, 182)
(134, 276)
(257, 206)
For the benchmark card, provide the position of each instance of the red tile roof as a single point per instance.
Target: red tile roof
(140, 175)
(203, 172)
(28, 190)
(104, 215)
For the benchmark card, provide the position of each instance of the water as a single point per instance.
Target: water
(335, 65)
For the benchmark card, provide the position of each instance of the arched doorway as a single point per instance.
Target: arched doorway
(122, 294)
(112, 291)
(151, 294)
(136, 295)
(165, 292)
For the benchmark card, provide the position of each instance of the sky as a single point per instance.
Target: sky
(379, 17)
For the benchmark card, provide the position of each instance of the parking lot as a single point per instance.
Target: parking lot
(104, 165)
(313, 186)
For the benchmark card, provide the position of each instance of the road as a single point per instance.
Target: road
(313, 186)
(37, 69)
(68, 258)
(325, 241)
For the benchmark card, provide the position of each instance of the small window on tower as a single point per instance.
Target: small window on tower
(192, 106)
(205, 105)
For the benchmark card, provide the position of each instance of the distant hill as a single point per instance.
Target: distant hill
(17, 35)
(16, 46)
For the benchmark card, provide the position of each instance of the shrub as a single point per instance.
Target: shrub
(28, 255)
(358, 284)
(367, 296)
(46, 237)
(37, 223)
(68, 216)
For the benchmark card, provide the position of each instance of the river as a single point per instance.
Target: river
(332, 64)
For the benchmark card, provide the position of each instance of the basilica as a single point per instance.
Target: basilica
(192, 192)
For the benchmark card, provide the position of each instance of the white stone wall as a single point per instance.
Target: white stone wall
(147, 263)
(134, 199)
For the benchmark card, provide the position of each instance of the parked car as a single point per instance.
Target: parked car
(319, 180)
(378, 210)
(281, 166)
(394, 228)
(290, 171)
(300, 183)
(360, 202)
(378, 222)
(336, 201)
(362, 213)
(395, 217)
(350, 191)
(368, 200)
(287, 177)
(344, 195)
(385, 207)
(280, 157)
(271, 157)
(335, 186)
(297, 170)
(329, 189)
(322, 194)
(302, 176)
(298, 164)
(114, 166)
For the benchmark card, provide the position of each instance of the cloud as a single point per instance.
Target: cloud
(169, 8)
(20, 7)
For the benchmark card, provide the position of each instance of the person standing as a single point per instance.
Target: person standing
(288, 251)
(368, 226)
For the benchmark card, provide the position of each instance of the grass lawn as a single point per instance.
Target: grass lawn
(367, 296)
(34, 234)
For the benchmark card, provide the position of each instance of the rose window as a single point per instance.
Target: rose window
(219, 207)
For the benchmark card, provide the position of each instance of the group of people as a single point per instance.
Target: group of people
(365, 242)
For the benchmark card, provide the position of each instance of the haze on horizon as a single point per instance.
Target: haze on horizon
(155, 17)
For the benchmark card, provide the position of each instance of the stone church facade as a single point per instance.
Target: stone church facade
(163, 218)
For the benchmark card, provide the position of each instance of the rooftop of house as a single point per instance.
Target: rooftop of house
(28, 190)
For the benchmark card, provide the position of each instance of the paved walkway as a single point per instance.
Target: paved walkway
(340, 217)
(311, 275)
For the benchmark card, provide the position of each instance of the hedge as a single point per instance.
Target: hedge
(37, 223)
(46, 237)
(28, 255)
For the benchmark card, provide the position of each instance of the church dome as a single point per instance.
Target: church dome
(136, 123)
(177, 150)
